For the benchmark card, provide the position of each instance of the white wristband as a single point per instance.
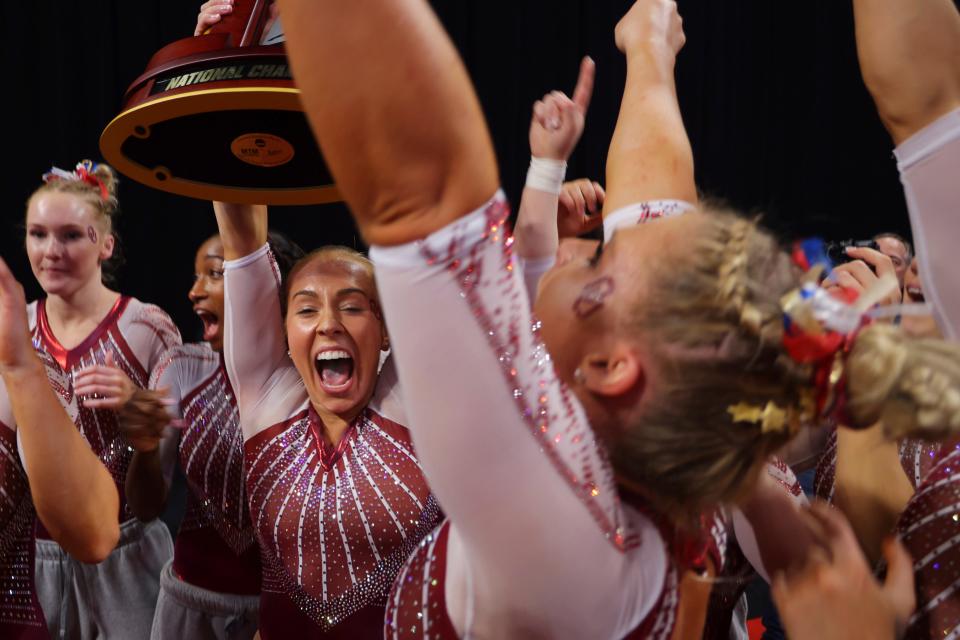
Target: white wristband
(546, 175)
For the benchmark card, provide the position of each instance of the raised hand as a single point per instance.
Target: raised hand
(211, 13)
(654, 22)
(864, 272)
(579, 208)
(558, 121)
(835, 595)
(16, 349)
(104, 386)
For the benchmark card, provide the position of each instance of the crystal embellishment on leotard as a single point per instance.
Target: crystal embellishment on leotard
(211, 455)
(335, 526)
(498, 300)
(417, 606)
(929, 529)
(100, 427)
(19, 606)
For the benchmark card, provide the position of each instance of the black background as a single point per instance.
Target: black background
(770, 92)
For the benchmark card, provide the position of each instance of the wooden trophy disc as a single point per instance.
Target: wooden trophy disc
(217, 117)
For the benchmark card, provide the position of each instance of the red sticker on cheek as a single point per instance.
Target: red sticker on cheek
(593, 296)
(92, 234)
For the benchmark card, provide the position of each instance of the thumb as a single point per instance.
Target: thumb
(8, 283)
(584, 89)
(898, 587)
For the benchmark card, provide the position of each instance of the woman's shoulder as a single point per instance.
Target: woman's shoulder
(188, 365)
(145, 325)
(136, 311)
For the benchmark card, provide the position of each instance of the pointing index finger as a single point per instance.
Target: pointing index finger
(584, 89)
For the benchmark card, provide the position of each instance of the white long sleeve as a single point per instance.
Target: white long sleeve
(268, 387)
(539, 539)
(929, 162)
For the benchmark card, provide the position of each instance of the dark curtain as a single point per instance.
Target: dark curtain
(770, 91)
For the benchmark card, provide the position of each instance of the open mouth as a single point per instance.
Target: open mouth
(915, 293)
(335, 367)
(211, 324)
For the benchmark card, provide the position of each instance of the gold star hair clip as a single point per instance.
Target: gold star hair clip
(770, 417)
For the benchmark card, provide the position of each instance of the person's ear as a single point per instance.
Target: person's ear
(109, 243)
(610, 373)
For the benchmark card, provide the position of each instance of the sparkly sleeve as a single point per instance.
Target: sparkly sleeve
(268, 387)
(929, 527)
(181, 369)
(928, 164)
(506, 447)
(149, 331)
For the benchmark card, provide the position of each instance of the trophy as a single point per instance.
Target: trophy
(218, 117)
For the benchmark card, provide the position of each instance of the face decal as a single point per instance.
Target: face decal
(592, 296)
(92, 234)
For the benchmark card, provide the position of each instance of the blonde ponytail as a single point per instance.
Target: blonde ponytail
(911, 385)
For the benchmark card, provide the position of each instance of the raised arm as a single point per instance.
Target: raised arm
(73, 493)
(399, 125)
(243, 228)
(555, 130)
(267, 385)
(910, 60)
(650, 156)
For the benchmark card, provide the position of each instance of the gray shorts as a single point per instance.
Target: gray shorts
(112, 600)
(186, 611)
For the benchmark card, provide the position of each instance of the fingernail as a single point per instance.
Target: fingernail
(169, 402)
(178, 424)
(554, 123)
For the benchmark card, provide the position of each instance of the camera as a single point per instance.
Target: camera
(837, 251)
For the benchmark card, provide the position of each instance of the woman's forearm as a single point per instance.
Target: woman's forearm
(74, 494)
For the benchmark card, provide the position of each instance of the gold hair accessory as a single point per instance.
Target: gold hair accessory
(771, 417)
(837, 367)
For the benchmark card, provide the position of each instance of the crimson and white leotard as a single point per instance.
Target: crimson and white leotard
(916, 458)
(930, 529)
(538, 541)
(738, 565)
(215, 547)
(136, 334)
(928, 163)
(334, 523)
(21, 616)
(930, 524)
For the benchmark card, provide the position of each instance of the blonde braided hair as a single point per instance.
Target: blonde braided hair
(711, 318)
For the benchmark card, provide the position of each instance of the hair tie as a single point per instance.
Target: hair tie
(83, 173)
(819, 329)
